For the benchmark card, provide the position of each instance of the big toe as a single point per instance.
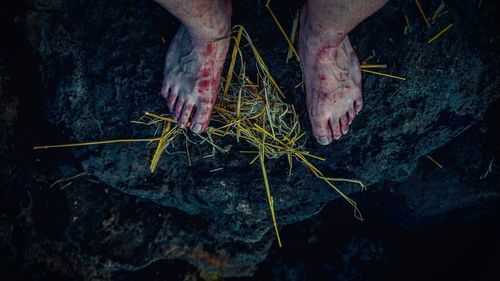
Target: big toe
(201, 118)
(321, 131)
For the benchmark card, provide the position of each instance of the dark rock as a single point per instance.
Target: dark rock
(100, 67)
(439, 224)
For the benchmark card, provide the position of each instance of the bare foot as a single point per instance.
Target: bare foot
(193, 68)
(332, 80)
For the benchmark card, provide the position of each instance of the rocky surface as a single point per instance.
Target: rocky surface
(95, 66)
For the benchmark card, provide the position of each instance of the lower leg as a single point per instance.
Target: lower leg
(203, 19)
(338, 17)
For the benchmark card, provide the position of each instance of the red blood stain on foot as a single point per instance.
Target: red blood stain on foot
(208, 52)
(204, 86)
(205, 73)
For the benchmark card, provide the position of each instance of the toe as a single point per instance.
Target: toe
(351, 114)
(165, 90)
(171, 101)
(358, 104)
(201, 118)
(178, 108)
(321, 131)
(335, 125)
(186, 112)
(344, 124)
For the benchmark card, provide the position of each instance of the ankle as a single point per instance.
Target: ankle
(312, 37)
(314, 32)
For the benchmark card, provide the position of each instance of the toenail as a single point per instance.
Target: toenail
(182, 126)
(196, 128)
(324, 140)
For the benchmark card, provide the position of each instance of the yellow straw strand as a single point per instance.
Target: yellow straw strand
(434, 161)
(383, 74)
(440, 33)
(367, 66)
(233, 60)
(438, 12)
(407, 25)
(360, 183)
(187, 152)
(93, 143)
(164, 118)
(293, 35)
(423, 14)
(371, 56)
(290, 163)
(161, 145)
(269, 197)
(290, 44)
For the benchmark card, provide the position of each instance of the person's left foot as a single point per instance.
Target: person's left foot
(332, 80)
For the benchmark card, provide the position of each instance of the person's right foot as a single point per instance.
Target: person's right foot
(193, 68)
(332, 79)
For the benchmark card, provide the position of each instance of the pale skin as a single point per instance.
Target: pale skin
(331, 71)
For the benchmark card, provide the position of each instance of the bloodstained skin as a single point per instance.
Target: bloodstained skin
(195, 59)
(208, 75)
